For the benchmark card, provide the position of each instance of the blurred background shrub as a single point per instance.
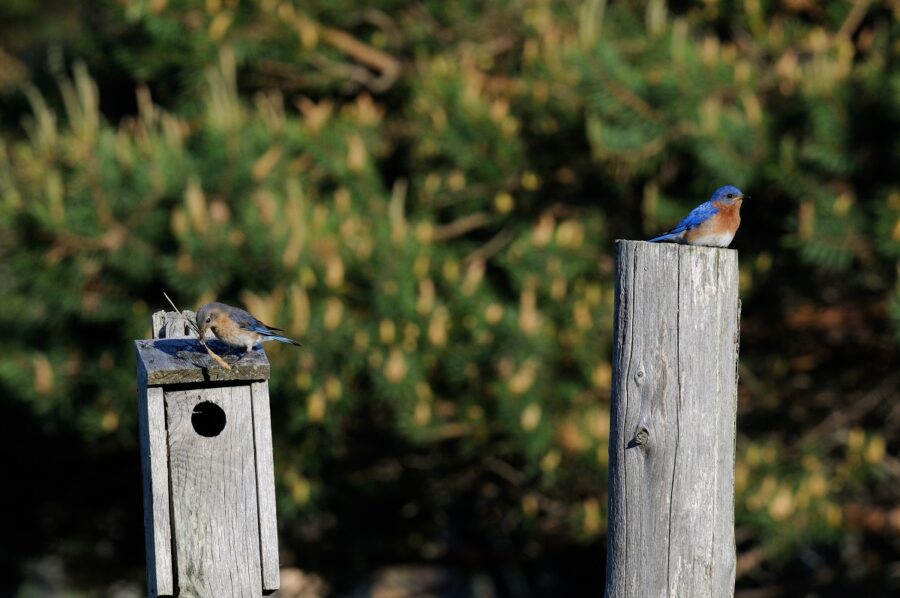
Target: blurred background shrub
(427, 194)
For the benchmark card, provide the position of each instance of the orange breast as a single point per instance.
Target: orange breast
(729, 215)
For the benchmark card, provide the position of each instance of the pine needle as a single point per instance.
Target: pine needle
(196, 330)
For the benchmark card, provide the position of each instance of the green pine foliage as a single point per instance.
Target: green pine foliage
(427, 195)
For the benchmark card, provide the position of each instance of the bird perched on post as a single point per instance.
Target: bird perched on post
(712, 223)
(236, 326)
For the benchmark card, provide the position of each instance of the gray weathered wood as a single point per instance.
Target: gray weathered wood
(214, 507)
(184, 361)
(155, 480)
(171, 324)
(265, 484)
(671, 447)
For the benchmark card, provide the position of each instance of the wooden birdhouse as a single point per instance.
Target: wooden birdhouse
(206, 459)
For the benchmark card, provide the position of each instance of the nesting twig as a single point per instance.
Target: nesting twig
(196, 330)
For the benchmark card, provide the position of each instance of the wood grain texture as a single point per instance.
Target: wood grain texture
(214, 496)
(184, 361)
(671, 478)
(171, 324)
(265, 484)
(155, 481)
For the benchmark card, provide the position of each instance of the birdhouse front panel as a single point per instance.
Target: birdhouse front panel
(215, 516)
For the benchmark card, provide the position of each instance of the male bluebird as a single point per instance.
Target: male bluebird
(712, 223)
(236, 327)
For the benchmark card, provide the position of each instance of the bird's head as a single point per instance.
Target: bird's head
(207, 316)
(728, 195)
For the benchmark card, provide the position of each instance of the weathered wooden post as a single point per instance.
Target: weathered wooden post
(671, 445)
(206, 456)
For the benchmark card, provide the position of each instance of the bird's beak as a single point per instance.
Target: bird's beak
(743, 197)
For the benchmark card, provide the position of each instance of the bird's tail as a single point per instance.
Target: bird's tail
(284, 339)
(666, 237)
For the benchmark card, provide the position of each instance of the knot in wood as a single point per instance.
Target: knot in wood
(639, 377)
(642, 436)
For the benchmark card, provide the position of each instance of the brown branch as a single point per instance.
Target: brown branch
(749, 560)
(464, 225)
(357, 74)
(384, 63)
(857, 14)
(379, 19)
(842, 417)
(492, 247)
(504, 470)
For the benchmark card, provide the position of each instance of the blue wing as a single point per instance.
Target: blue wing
(696, 217)
(247, 322)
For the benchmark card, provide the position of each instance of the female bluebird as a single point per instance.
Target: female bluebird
(236, 327)
(712, 223)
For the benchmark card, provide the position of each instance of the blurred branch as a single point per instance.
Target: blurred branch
(384, 63)
(841, 418)
(341, 70)
(288, 75)
(381, 20)
(504, 470)
(490, 249)
(854, 18)
(749, 560)
(892, 466)
(460, 227)
(873, 519)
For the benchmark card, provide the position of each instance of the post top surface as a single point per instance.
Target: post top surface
(674, 246)
(184, 361)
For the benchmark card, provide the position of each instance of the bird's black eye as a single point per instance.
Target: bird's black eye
(208, 319)
(730, 195)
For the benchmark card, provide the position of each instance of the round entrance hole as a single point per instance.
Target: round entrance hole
(208, 419)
